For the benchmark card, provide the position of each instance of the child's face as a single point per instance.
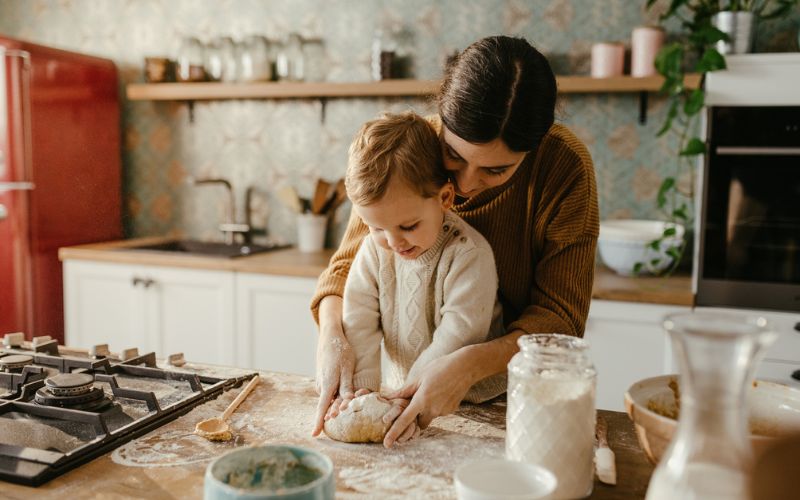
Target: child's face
(405, 222)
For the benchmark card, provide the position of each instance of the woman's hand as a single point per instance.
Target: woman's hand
(438, 391)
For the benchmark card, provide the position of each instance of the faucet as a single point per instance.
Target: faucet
(230, 228)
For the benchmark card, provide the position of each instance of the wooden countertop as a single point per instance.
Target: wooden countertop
(170, 461)
(675, 290)
(286, 262)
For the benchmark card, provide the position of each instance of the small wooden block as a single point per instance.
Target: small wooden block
(13, 339)
(41, 340)
(131, 353)
(176, 359)
(99, 350)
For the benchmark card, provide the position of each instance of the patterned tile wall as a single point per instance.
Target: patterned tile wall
(260, 145)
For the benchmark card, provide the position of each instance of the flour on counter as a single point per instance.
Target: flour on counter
(396, 482)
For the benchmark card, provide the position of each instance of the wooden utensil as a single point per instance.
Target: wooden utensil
(603, 455)
(217, 428)
(289, 197)
(336, 198)
(320, 195)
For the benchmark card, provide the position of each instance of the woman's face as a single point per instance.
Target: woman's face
(477, 167)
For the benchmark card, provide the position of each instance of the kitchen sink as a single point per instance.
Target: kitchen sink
(207, 248)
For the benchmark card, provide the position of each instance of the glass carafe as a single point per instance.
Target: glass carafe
(710, 456)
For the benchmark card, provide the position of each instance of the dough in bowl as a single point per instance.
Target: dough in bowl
(361, 422)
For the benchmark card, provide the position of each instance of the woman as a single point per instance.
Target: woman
(528, 186)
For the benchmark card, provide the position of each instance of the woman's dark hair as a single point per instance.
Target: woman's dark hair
(499, 87)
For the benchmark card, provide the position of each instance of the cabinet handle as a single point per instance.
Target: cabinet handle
(145, 282)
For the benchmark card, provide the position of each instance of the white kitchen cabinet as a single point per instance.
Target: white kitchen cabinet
(153, 308)
(783, 356)
(275, 328)
(627, 343)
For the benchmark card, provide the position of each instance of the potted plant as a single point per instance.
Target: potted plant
(737, 19)
(696, 52)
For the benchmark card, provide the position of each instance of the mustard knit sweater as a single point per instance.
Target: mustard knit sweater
(542, 225)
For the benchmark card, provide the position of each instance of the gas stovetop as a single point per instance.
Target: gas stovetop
(60, 408)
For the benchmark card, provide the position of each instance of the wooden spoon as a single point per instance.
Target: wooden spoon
(217, 428)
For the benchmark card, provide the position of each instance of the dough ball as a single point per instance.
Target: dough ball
(361, 422)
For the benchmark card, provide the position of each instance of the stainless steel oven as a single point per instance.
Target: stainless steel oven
(749, 221)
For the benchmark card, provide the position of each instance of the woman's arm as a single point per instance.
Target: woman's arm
(469, 295)
(442, 385)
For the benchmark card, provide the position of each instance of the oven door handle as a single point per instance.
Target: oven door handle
(756, 151)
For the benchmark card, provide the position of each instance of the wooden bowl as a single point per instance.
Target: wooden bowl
(774, 412)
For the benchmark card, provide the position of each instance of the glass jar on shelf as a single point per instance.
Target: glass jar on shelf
(254, 59)
(221, 65)
(291, 62)
(190, 63)
(314, 60)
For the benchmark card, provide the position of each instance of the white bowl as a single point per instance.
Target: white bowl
(774, 412)
(623, 243)
(500, 479)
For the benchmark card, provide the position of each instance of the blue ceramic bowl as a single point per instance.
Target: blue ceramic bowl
(273, 472)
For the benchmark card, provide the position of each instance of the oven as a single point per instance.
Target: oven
(749, 220)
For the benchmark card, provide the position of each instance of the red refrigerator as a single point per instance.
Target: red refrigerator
(59, 175)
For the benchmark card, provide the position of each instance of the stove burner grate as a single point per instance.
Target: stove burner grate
(15, 362)
(74, 391)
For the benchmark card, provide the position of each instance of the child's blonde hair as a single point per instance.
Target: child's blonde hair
(402, 144)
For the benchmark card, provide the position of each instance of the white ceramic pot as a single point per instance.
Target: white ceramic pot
(623, 243)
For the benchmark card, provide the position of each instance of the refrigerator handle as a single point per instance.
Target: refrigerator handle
(16, 186)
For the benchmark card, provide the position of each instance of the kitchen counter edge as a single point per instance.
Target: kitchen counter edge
(675, 290)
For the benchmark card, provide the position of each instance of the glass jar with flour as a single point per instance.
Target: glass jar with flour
(551, 415)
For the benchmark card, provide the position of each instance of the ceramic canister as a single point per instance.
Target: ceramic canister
(646, 41)
(608, 59)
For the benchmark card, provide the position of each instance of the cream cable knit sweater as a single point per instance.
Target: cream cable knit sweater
(424, 308)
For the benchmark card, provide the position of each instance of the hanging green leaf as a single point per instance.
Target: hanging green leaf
(671, 114)
(670, 231)
(637, 268)
(694, 147)
(710, 61)
(680, 213)
(666, 185)
(694, 103)
(669, 60)
(675, 252)
(655, 244)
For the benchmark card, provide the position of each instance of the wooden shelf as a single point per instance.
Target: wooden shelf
(387, 88)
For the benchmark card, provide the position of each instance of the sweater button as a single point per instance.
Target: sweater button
(463, 239)
(456, 232)
(446, 228)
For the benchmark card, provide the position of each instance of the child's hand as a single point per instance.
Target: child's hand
(334, 381)
(340, 403)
